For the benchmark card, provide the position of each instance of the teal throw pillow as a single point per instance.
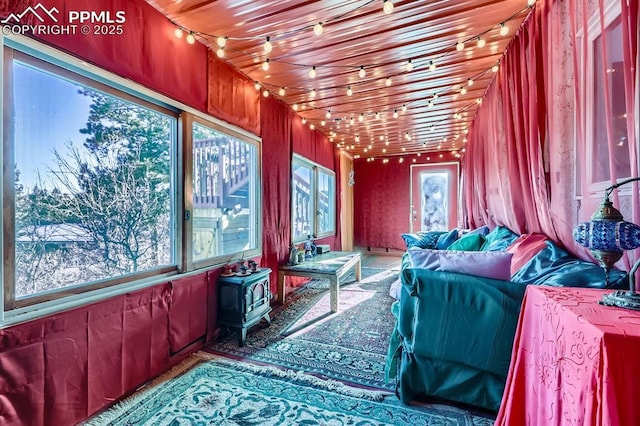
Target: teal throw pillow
(425, 240)
(445, 240)
(469, 242)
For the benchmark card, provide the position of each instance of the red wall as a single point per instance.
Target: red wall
(382, 199)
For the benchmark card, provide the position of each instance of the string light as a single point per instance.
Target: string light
(265, 93)
(388, 81)
(432, 66)
(362, 73)
(460, 46)
(404, 107)
(178, 32)
(304, 120)
(328, 114)
(312, 72)
(349, 91)
(322, 122)
(268, 47)
(531, 2)
(361, 117)
(313, 93)
(409, 66)
(257, 85)
(295, 107)
(220, 52)
(352, 121)
(495, 68)
(312, 126)
(318, 29)
(358, 138)
(265, 65)
(222, 41)
(463, 90)
(281, 91)
(470, 82)
(481, 43)
(395, 113)
(387, 6)
(504, 29)
(190, 38)
(377, 117)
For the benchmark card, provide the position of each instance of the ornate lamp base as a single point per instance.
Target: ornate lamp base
(622, 299)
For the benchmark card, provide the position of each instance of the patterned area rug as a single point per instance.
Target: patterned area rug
(349, 346)
(209, 390)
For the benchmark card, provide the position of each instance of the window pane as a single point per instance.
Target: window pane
(224, 190)
(302, 203)
(618, 121)
(326, 202)
(93, 186)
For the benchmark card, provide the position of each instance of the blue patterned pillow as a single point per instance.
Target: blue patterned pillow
(425, 240)
(446, 239)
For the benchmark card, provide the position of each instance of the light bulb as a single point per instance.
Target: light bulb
(318, 29)
(265, 65)
(281, 91)
(430, 104)
(178, 32)
(190, 38)
(328, 114)
(361, 118)
(322, 122)
(504, 29)
(220, 52)
(312, 126)
(304, 121)
(404, 108)
(460, 46)
(481, 42)
(463, 91)
(387, 6)
(388, 81)
(362, 73)
(378, 117)
(265, 93)
(531, 2)
(349, 91)
(435, 96)
(268, 47)
(470, 82)
(352, 121)
(312, 72)
(222, 41)
(256, 85)
(409, 66)
(395, 113)
(295, 107)
(358, 138)
(432, 66)
(495, 68)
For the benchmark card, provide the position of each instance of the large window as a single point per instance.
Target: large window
(607, 137)
(98, 197)
(313, 200)
(225, 216)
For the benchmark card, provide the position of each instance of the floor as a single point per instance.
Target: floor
(386, 261)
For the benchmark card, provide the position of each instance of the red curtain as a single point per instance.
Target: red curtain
(276, 119)
(232, 96)
(532, 127)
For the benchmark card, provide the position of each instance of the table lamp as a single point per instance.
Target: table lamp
(607, 235)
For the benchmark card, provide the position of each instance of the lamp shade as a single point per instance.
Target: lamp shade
(608, 235)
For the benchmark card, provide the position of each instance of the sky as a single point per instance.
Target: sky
(48, 113)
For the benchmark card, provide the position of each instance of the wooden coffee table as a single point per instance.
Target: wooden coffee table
(333, 266)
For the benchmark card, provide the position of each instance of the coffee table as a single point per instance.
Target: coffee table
(333, 266)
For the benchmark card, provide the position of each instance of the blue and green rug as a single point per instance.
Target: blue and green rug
(210, 390)
(350, 346)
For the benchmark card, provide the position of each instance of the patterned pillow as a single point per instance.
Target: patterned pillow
(446, 239)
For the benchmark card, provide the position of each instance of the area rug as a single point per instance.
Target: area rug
(210, 390)
(349, 346)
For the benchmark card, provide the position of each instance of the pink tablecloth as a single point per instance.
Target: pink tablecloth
(574, 362)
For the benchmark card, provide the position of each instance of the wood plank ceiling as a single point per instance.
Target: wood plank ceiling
(434, 98)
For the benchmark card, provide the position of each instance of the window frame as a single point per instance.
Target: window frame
(256, 201)
(315, 170)
(180, 168)
(612, 11)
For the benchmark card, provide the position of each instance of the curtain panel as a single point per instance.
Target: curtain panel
(532, 126)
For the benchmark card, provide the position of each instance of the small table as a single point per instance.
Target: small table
(332, 266)
(574, 362)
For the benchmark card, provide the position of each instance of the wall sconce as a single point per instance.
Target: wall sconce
(607, 235)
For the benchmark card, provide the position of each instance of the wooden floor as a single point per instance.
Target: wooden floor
(385, 261)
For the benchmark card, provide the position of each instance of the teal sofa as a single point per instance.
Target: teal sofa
(454, 332)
